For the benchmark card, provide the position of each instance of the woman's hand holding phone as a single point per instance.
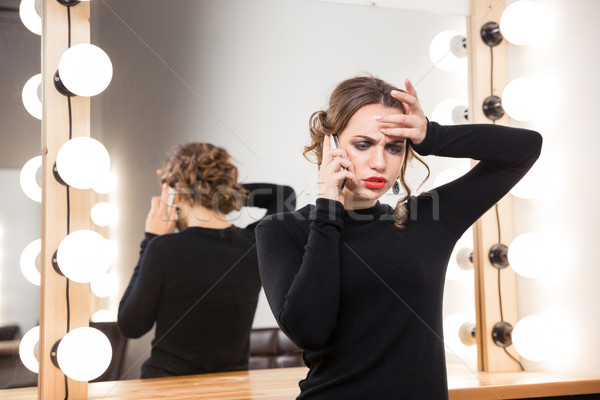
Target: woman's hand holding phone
(161, 217)
(334, 170)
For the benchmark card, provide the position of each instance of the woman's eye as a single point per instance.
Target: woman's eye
(396, 149)
(361, 145)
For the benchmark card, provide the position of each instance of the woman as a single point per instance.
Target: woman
(201, 284)
(359, 285)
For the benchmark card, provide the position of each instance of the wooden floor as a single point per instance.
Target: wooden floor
(282, 384)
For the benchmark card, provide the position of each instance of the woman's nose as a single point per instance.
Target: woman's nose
(377, 160)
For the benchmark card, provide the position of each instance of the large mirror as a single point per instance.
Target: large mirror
(245, 75)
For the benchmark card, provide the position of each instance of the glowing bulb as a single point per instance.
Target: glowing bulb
(83, 255)
(103, 213)
(528, 255)
(28, 349)
(30, 173)
(533, 338)
(85, 69)
(84, 354)
(521, 98)
(450, 112)
(32, 96)
(82, 162)
(460, 267)
(30, 13)
(29, 260)
(458, 336)
(522, 22)
(447, 51)
(104, 285)
(104, 316)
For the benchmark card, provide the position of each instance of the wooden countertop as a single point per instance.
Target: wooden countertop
(282, 384)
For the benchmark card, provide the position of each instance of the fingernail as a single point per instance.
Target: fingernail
(382, 130)
(377, 117)
(408, 81)
(394, 92)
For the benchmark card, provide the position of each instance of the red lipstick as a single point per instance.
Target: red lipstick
(375, 182)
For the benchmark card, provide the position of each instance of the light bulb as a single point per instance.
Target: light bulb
(447, 52)
(82, 162)
(450, 112)
(522, 22)
(458, 334)
(28, 349)
(85, 69)
(83, 255)
(32, 96)
(29, 260)
(523, 98)
(104, 285)
(30, 12)
(532, 337)
(84, 354)
(528, 255)
(460, 268)
(448, 175)
(103, 213)
(104, 316)
(30, 177)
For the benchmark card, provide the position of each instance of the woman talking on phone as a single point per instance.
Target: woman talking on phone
(199, 284)
(358, 285)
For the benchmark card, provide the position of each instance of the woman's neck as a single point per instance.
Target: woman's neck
(352, 202)
(203, 217)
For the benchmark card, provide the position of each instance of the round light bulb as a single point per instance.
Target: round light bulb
(32, 96)
(30, 14)
(528, 255)
(84, 354)
(85, 69)
(104, 316)
(82, 162)
(30, 177)
(103, 213)
(450, 112)
(29, 261)
(457, 334)
(460, 268)
(522, 22)
(447, 52)
(521, 99)
(533, 338)
(28, 349)
(104, 285)
(83, 255)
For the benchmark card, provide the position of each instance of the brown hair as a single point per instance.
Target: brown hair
(203, 173)
(347, 98)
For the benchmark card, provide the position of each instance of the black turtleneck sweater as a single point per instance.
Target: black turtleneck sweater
(364, 298)
(200, 286)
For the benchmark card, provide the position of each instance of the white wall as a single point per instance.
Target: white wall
(566, 207)
(245, 75)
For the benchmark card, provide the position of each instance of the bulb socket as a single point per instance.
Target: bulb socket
(68, 3)
(499, 256)
(492, 108)
(490, 34)
(57, 176)
(62, 89)
(55, 263)
(53, 354)
(502, 334)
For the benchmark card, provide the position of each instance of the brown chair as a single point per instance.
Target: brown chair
(271, 348)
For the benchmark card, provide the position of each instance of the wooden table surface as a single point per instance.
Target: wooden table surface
(282, 384)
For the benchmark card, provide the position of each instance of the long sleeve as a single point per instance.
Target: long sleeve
(302, 279)
(274, 198)
(139, 304)
(505, 154)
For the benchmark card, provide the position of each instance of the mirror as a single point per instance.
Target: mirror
(242, 75)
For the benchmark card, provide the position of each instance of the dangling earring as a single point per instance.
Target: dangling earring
(396, 187)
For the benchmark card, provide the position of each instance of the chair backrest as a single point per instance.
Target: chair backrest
(271, 348)
(119, 346)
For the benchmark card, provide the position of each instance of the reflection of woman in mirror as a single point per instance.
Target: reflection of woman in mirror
(200, 284)
(357, 284)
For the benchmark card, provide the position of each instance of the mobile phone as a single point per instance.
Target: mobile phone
(336, 144)
(170, 199)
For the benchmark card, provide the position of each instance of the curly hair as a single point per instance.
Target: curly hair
(347, 98)
(203, 174)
